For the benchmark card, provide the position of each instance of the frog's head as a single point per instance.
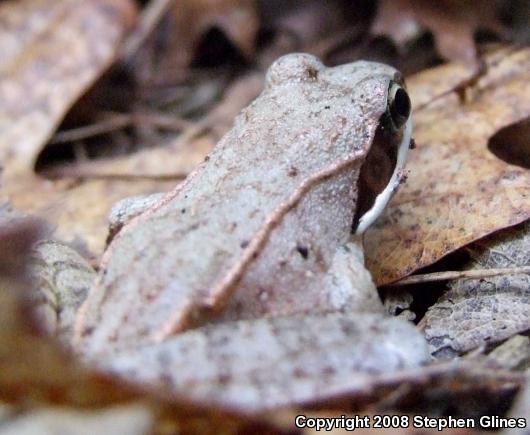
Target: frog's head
(373, 98)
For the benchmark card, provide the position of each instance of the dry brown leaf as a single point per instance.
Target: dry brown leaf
(51, 53)
(458, 191)
(78, 210)
(476, 312)
(172, 47)
(453, 23)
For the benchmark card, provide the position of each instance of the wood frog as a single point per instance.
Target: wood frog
(261, 244)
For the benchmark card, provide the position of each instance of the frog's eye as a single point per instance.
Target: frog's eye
(398, 104)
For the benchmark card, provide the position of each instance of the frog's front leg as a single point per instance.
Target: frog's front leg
(348, 286)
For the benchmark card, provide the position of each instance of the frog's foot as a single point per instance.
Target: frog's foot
(349, 285)
(123, 211)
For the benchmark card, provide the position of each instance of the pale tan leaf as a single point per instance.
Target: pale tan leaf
(477, 312)
(51, 53)
(78, 210)
(172, 46)
(457, 191)
(452, 22)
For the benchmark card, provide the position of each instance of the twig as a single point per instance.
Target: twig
(462, 274)
(159, 120)
(118, 121)
(91, 171)
(472, 81)
(80, 133)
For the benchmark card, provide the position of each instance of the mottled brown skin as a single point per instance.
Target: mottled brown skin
(254, 230)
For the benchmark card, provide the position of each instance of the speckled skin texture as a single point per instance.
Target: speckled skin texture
(267, 363)
(254, 230)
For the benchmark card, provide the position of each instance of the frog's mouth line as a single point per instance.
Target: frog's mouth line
(384, 197)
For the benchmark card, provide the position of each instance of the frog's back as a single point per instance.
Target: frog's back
(292, 151)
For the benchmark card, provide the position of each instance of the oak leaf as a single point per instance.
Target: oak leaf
(458, 191)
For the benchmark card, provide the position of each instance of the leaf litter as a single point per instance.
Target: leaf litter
(457, 190)
(49, 59)
(452, 22)
(85, 205)
(480, 312)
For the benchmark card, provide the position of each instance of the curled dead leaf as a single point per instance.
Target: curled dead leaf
(51, 53)
(453, 23)
(477, 312)
(173, 45)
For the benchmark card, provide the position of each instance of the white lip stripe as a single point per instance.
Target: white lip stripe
(382, 199)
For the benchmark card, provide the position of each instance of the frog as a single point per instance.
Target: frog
(240, 284)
